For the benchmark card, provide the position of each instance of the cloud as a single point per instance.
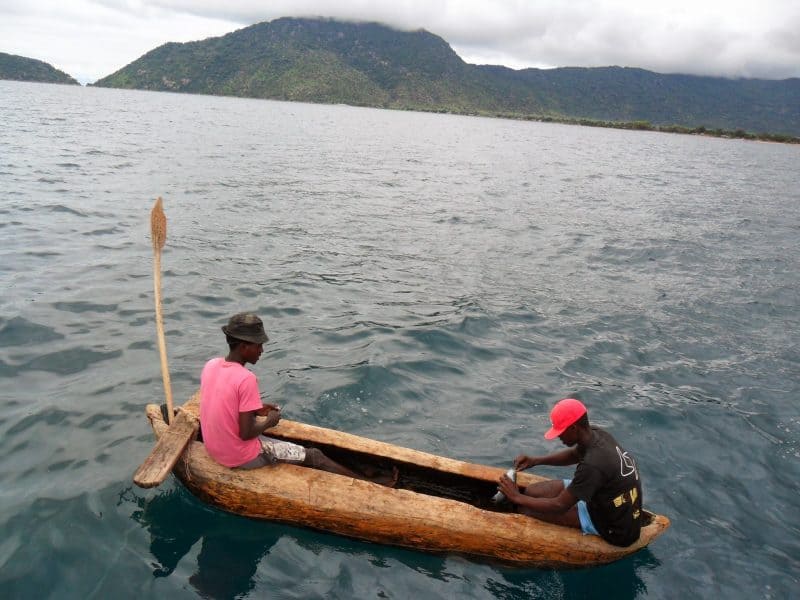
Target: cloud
(92, 38)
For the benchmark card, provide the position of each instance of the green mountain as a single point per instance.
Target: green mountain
(20, 68)
(368, 64)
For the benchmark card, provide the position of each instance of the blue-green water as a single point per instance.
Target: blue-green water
(428, 280)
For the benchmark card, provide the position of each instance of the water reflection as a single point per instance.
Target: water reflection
(232, 548)
(622, 580)
(230, 551)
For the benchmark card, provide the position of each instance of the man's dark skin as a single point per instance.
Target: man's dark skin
(253, 423)
(549, 500)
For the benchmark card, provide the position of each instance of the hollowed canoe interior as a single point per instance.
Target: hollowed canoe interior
(423, 480)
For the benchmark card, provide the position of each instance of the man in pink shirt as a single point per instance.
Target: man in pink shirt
(232, 417)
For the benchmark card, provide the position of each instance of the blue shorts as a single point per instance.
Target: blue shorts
(583, 514)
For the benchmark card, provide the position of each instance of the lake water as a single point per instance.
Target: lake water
(432, 281)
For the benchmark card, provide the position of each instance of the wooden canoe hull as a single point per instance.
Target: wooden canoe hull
(400, 517)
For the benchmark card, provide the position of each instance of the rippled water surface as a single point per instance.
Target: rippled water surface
(432, 281)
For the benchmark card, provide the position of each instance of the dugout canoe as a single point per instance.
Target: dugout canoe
(440, 505)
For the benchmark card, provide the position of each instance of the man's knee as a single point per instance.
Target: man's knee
(545, 489)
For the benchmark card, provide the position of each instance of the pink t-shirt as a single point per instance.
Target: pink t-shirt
(226, 389)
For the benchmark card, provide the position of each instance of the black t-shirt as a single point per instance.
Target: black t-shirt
(606, 478)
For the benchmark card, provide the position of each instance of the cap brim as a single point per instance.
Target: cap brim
(247, 338)
(553, 433)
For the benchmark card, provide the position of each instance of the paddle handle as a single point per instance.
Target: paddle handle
(162, 344)
(158, 232)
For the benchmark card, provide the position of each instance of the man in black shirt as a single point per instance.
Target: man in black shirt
(604, 497)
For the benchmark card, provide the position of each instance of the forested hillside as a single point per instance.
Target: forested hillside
(20, 68)
(367, 64)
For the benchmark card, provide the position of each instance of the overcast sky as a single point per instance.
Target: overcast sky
(92, 38)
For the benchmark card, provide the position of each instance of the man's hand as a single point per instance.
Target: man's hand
(273, 416)
(523, 461)
(509, 488)
(253, 422)
(266, 408)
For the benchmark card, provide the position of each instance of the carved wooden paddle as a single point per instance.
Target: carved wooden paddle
(157, 466)
(158, 233)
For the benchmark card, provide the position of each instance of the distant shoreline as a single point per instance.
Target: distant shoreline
(738, 134)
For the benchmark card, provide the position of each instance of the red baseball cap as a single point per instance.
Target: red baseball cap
(564, 414)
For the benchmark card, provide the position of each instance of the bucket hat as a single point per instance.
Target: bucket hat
(564, 414)
(246, 327)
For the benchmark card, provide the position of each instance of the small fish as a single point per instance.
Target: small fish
(500, 496)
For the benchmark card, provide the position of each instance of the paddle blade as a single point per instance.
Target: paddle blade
(158, 225)
(169, 448)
